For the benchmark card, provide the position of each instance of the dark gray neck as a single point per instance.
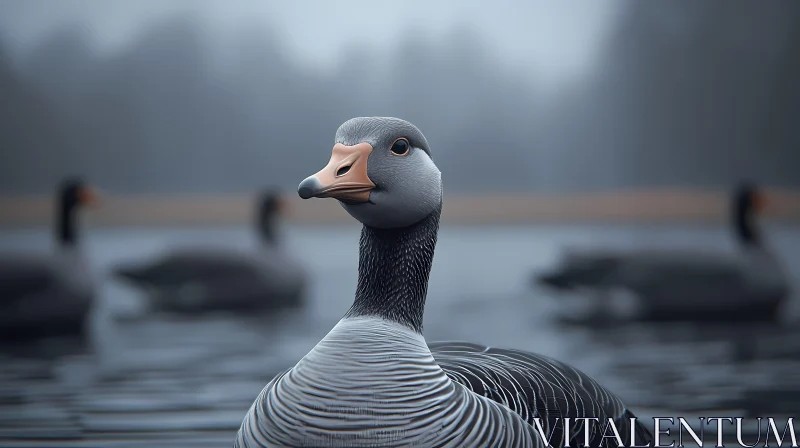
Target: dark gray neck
(745, 228)
(267, 230)
(66, 229)
(393, 270)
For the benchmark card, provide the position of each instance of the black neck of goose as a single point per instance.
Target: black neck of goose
(267, 230)
(66, 229)
(744, 224)
(393, 270)
(266, 221)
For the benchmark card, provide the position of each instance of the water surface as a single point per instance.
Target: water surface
(173, 381)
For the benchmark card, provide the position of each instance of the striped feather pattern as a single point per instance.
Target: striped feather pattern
(537, 386)
(371, 382)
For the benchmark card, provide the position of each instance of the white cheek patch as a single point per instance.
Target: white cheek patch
(428, 168)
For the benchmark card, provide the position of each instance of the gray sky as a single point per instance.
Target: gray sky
(673, 93)
(558, 39)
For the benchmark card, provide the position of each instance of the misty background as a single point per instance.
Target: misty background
(207, 97)
(642, 113)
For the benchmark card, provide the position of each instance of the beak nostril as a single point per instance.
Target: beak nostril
(343, 170)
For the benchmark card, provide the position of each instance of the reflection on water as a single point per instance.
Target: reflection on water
(173, 381)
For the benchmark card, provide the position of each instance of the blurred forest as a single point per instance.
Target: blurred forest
(685, 94)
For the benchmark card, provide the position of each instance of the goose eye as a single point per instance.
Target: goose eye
(400, 147)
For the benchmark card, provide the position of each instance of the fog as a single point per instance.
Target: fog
(669, 94)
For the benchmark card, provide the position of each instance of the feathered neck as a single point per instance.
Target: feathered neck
(65, 222)
(393, 270)
(744, 223)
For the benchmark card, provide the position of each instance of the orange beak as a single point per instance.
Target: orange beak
(344, 177)
(88, 196)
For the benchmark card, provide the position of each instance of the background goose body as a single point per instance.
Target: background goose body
(49, 294)
(207, 279)
(373, 380)
(748, 284)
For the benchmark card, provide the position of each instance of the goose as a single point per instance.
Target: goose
(692, 285)
(50, 294)
(373, 380)
(193, 280)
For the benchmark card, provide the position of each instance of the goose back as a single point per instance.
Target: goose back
(44, 295)
(197, 280)
(536, 386)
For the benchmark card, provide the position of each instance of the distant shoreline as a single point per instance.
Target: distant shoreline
(619, 207)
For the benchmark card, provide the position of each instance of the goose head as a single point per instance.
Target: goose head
(747, 202)
(73, 194)
(382, 173)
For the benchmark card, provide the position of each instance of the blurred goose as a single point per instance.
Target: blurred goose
(374, 380)
(208, 279)
(50, 294)
(745, 285)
